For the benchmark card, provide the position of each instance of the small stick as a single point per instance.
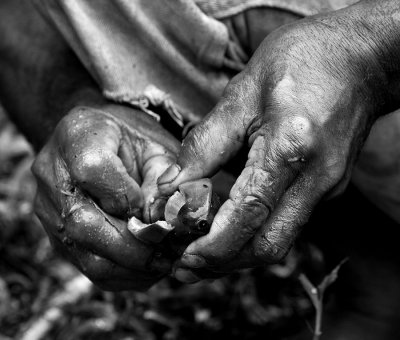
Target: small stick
(316, 295)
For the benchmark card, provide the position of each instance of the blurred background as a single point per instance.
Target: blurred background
(44, 297)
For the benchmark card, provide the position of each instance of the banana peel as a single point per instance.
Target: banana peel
(189, 213)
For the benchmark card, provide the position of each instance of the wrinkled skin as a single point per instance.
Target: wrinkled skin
(98, 162)
(99, 167)
(297, 70)
(304, 105)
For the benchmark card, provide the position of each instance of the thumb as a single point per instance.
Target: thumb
(157, 160)
(210, 144)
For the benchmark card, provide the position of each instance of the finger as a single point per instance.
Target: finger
(274, 240)
(156, 160)
(92, 159)
(53, 225)
(93, 229)
(130, 162)
(214, 141)
(104, 273)
(222, 183)
(252, 198)
(81, 225)
(73, 218)
(94, 265)
(275, 159)
(48, 215)
(100, 270)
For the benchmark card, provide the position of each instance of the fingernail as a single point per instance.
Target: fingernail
(169, 175)
(186, 276)
(193, 261)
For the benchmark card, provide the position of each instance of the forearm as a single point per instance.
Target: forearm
(40, 77)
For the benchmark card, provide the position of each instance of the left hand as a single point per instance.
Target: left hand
(99, 168)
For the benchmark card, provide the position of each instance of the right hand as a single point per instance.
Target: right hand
(303, 105)
(99, 168)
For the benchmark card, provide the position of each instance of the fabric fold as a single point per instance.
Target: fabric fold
(169, 47)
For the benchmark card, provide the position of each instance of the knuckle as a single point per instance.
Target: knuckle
(75, 115)
(302, 134)
(270, 251)
(253, 187)
(68, 122)
(256, 210)
(70, 126)
(79, 111)
(87, 165)
(81, 216)
(195, 142)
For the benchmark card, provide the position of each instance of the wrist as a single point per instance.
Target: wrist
(370, 33)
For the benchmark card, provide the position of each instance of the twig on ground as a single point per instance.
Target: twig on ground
(316, 295)
(74, 290)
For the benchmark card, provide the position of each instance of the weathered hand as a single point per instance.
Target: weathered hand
(304, 106)
(99, 167)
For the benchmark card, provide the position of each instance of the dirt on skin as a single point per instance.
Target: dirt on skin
(43, 296)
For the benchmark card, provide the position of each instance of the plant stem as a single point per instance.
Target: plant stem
(318, 319)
